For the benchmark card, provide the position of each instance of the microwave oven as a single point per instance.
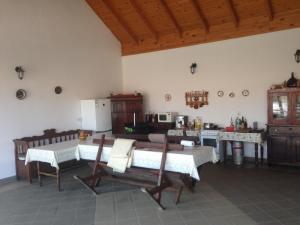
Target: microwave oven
(166, 117)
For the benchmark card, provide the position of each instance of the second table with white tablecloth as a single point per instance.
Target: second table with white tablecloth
(256, 138)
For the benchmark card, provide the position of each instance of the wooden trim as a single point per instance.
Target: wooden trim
(92, 5)
(172, 17)
(270, 9)
(139, 11)
(203, 20)
(121, 21)
(233, 13)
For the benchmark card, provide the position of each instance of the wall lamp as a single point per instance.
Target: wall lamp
(297, 56)
(193, 68)
(20, 71)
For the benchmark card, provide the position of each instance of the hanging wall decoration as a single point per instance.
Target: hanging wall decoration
(196, 99)
(21, 94)
(220, 93)
(57, 90)
(245, 92)
(168, 97)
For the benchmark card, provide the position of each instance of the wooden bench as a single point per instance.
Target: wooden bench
(50, 136)
(153, 181)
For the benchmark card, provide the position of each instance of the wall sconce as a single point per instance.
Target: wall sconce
(193, 68)
(297, 56)
(20, 71)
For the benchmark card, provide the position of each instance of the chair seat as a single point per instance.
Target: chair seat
(22, 156)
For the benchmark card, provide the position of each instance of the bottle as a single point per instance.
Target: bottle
(242, 123)
(198, 123)
(292, 82)
(231, 122)
(246, 124)
(237, 123)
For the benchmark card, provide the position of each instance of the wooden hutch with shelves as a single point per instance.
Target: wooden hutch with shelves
(284, 126)
(123, 108)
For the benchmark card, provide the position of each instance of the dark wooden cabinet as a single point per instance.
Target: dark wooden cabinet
(123, 108)
(284, 126)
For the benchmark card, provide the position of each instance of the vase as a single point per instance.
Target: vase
(292, 82)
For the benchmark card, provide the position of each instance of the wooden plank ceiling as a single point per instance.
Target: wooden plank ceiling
(151, 25)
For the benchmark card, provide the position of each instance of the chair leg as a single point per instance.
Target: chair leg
(178, 194)
(58, 179)
(17, 170)
(158, 196)
(29, 176)
(98, 182)
(39, 174)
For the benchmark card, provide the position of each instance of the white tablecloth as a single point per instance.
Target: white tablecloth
(238, 136)
(185, 161)
(54, 153)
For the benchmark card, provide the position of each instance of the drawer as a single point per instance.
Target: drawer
(284, 130)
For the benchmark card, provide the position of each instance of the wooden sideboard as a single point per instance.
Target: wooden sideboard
(283, 128)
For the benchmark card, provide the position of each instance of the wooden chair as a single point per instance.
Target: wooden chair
(137, 176)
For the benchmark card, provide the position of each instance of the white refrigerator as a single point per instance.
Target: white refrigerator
(96, 115)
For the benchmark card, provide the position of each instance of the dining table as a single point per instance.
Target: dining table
(186, 161)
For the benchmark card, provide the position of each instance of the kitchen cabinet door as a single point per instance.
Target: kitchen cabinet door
(279, 108)
(278, 148)
(118, 122)
(295, 111)
(294, 153)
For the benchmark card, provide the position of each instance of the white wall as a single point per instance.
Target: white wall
(58, 42)
(253, 63)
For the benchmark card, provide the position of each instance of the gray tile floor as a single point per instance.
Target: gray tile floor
(225, 196)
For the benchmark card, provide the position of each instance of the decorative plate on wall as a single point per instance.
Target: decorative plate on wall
(168, 97)
(58, 90)
(231, 94)
(220, 93)
(245, 92)
(21, 94)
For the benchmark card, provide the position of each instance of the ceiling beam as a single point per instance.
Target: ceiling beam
(233, 13)
(172, 17)
(203, 20)
(121, 21)
(269, 9)
(145, 19)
